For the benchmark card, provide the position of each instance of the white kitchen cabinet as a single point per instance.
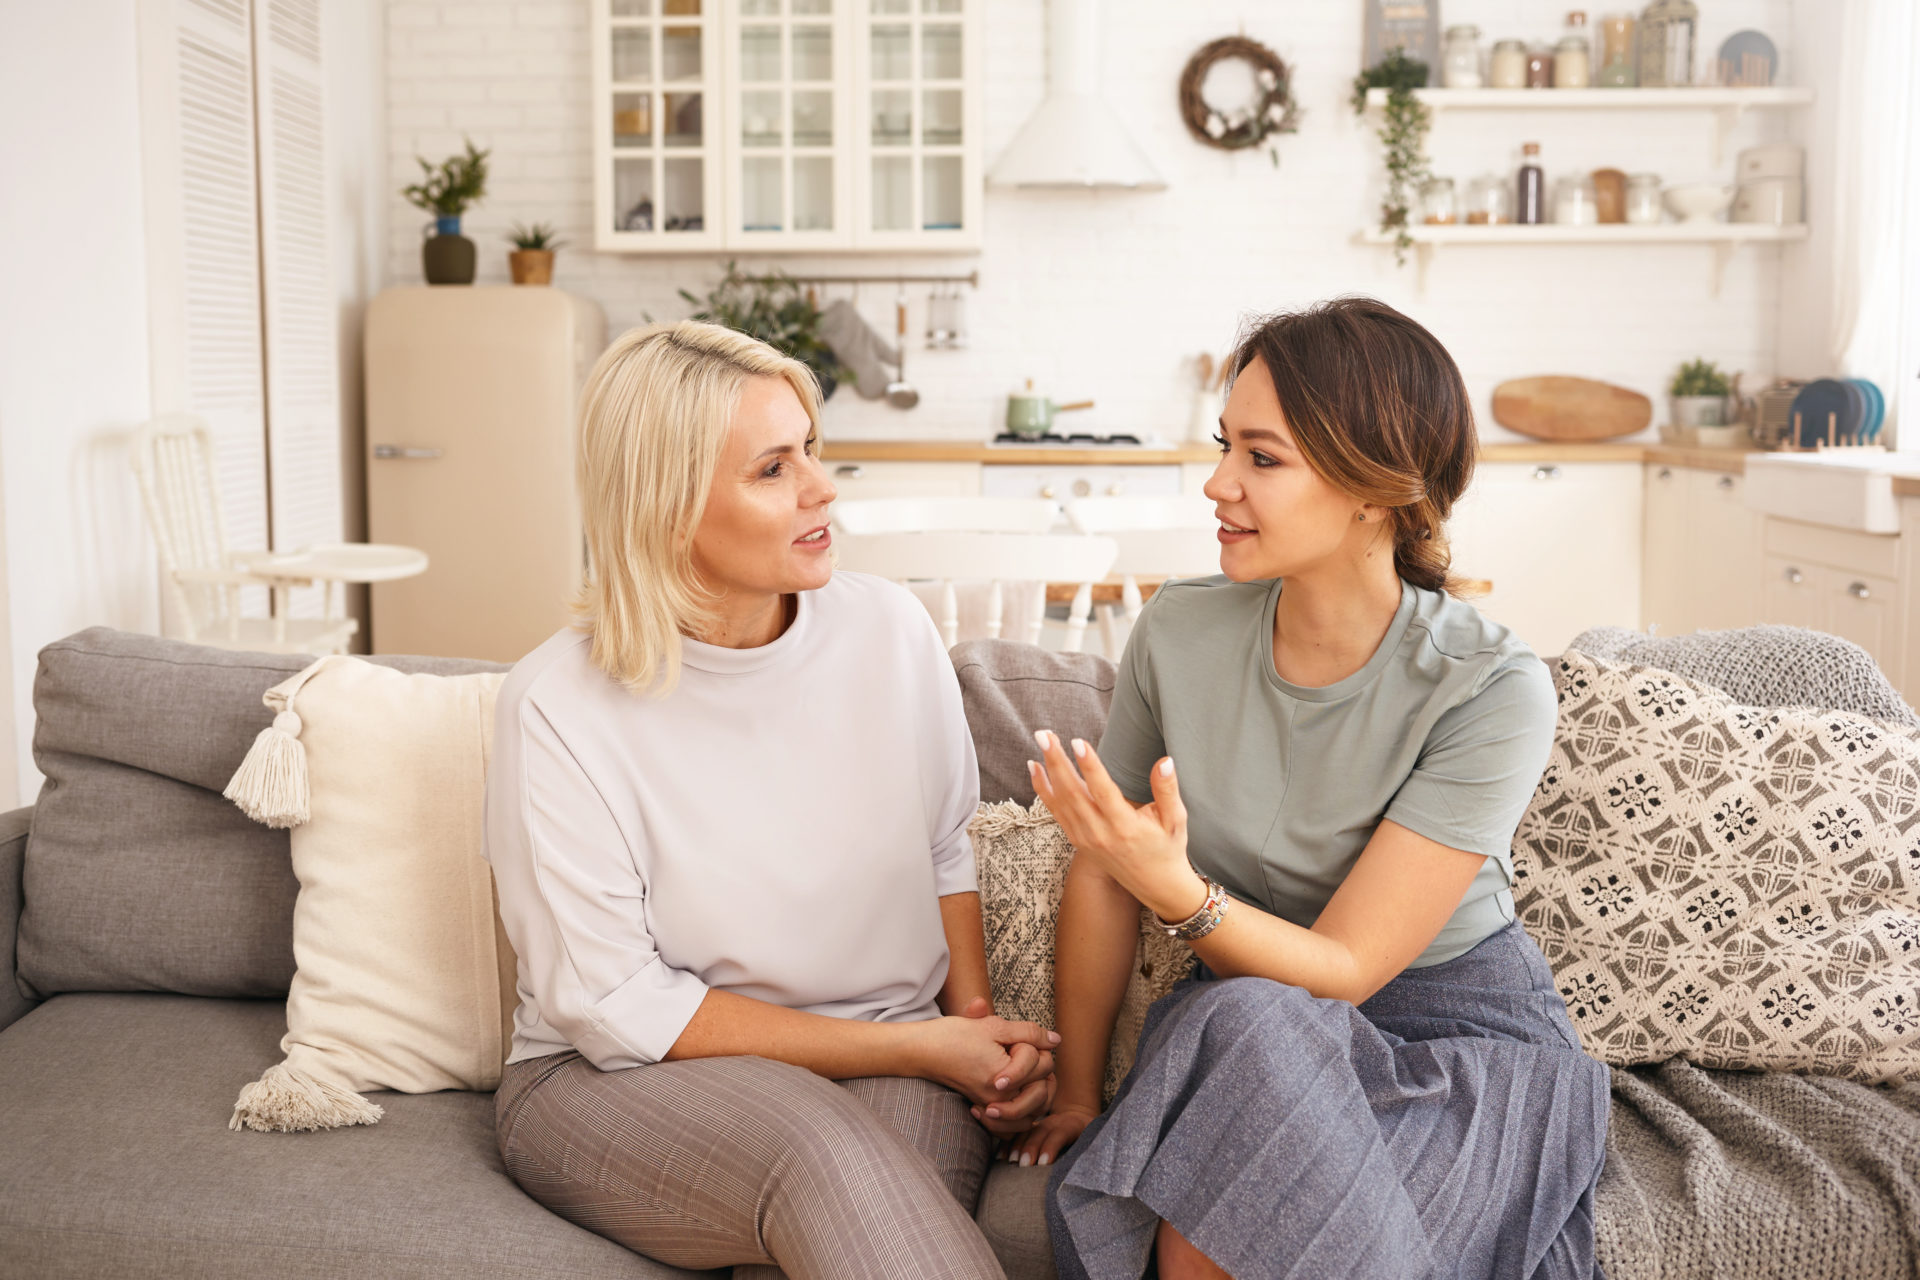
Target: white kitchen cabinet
(1702, 551)
(1194, 477)
(1667, 603)
(787, 125)
(1063, 482)
(1560, 542)
(1840, 581)
(1790, 595)
(856, 479)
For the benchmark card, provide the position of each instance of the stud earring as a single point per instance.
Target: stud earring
(1361, 516)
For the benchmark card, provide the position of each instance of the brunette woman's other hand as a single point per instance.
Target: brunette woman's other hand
(1050, 1135)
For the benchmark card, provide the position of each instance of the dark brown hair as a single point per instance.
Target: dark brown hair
(1379, 411)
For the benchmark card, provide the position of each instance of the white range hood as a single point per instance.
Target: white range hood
(1074, 141)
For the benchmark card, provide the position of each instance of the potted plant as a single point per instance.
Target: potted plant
(776, 310)
(1697, 396)
(1403, 139)
(532, 258)
(447, 257)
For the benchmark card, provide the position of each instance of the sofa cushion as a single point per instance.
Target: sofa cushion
(139, 876)
(119, 1163)
(1735, 885)
(1010, 689)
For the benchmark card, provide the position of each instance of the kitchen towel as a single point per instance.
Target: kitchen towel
(858, 347)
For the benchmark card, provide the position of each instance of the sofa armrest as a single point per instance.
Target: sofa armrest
(13, 851)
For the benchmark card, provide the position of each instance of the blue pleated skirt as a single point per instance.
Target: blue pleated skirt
(1451, 1126)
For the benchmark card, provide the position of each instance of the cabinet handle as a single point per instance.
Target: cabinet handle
(1115, 489)
(1724, 482)
(405, 451)
(1046, 491)
(1665, 473)
(1795, 576)
(1546, 473)
(849, 471)
(1858, 590)
(1081, 488)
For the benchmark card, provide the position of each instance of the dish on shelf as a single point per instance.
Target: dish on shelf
(1698, 202)
(1876, 409)
(1747, 60)
(1827, 411)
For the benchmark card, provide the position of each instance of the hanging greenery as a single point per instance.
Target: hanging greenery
(1403, 139)
(776, 310)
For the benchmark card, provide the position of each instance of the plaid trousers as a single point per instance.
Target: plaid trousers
(747, 1162)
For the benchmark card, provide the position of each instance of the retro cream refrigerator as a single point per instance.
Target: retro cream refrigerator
(472, 398)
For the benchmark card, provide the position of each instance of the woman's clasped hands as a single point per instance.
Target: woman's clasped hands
(1004, 1068)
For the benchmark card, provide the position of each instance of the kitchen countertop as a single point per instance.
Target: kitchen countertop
(1057, 455)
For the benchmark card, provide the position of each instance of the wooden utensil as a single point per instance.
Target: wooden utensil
(1564, 408)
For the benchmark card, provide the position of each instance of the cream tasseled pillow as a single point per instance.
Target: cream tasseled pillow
(1738, 886)
(405, 978)
(1020, 859)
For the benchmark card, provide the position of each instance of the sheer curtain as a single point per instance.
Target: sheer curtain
(1876, 236)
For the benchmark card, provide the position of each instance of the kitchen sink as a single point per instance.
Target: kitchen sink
(1839, 490)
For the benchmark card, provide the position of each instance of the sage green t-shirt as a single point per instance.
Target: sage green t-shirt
(1445, 730)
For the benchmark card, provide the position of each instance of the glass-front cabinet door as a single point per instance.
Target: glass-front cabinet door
(786, 72)
(918, 179)
(779, 125)
(658, 182)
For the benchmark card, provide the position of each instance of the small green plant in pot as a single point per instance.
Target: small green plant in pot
(447, 191)
(776, 310)
(532, 258)
(1697, 396)
(1403, 139)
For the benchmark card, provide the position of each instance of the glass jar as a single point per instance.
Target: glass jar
(1643, 199)
(1507, 69)
(1663, 40)
(1438, 206)
(1539, 69)
(1573, 201)
(1616, 52)
(1460, 65)
(1530, 188)
(1573, 56)
(1489, 202)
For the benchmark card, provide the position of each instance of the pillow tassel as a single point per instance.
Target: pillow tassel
(270, 786)
(288, 1100)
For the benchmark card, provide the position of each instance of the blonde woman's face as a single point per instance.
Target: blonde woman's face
(1278, 516)
(764, 531)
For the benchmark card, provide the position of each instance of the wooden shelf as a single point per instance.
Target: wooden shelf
(1724, 237)
(1702, 98)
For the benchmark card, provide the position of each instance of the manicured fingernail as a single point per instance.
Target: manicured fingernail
(1053, 1037)
(993, 1112)
(1079, 747)
(1040, 736)
(1025, 1159)
(1166, 767)
(1001, 1083)
(1045, 1158)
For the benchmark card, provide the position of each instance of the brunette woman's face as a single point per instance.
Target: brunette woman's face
(1278, 517)
(764, 531)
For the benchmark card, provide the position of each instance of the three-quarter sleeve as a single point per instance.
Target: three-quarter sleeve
(1132, 740)
(572, 901)
(1481, 764)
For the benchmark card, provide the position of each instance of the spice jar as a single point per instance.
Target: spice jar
(1643, 199)
(1539, 69)
(1616, 52)
(1489, 203)
(1573, 201)
(1610, 194)
(1507, 69)
(1460, 64)
(1573, 56)
(1437, 204)
(1530, 188)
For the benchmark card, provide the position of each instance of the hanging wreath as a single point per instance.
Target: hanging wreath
(1237, 126)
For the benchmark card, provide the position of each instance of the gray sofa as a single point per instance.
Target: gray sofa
(146, 929)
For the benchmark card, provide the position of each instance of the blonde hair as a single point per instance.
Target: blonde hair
(654, 419)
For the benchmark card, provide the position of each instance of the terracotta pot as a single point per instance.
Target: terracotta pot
(531, 266)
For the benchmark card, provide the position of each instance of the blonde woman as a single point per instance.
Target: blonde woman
(727, 814)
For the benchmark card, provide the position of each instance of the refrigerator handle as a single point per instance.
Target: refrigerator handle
(404, 451)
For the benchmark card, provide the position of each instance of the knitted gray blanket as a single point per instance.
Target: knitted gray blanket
(1759, 1175)
(1765, 666)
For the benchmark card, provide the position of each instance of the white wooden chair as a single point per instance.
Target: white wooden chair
(946, 557)
(1172, 536)
(202, 575)
(944, 515)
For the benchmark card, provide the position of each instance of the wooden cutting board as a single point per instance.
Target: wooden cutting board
(1562, 408)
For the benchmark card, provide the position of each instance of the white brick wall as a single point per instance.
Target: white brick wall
(1109, 297)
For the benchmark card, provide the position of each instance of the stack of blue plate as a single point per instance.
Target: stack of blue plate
(1837, 411)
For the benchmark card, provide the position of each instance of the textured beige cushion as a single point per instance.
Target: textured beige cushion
(1734, 885)
(404, 978)
(1020, 856)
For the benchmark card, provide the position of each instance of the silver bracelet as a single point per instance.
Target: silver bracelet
(1205, 920)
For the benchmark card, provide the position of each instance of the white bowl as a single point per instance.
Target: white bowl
(1698, 201)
